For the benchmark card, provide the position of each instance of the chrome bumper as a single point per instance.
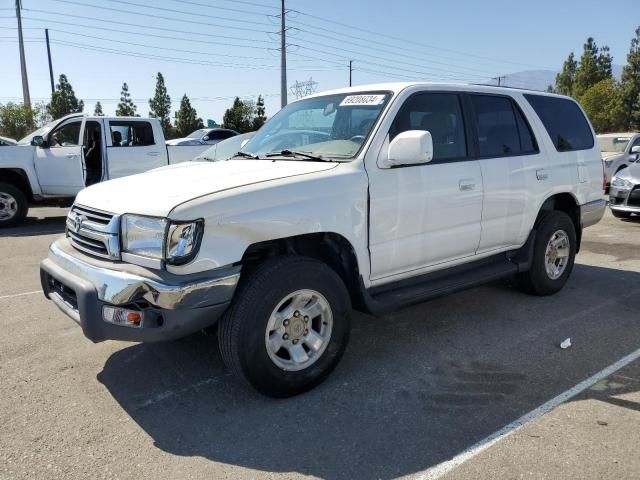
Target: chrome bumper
(118, 287)
(173, 307)
(592, 212)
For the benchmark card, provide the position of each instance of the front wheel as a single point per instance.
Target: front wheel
(13, 205)
(287, 327)
(554, 254)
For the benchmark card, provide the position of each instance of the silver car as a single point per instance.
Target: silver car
(619, 150)
(624, 194)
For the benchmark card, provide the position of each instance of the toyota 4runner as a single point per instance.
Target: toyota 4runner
(372, 197)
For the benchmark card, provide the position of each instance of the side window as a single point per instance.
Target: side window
(636, 143)
(220, 135)
(68, 135)
(131, 134)
(502, 130)
(564, 121)
(441, 115)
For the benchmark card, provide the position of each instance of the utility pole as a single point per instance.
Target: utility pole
(283, 58)
(23, 64)
(53, 88)
(350, 71)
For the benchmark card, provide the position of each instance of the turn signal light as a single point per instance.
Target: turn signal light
(122, 316)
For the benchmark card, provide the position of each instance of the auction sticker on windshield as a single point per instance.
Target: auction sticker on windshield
(359, 100)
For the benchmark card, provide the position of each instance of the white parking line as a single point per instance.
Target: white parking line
(440, 470)
(20, 294)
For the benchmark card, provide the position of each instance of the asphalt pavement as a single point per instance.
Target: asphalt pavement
(420, 393)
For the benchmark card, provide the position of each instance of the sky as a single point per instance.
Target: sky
(214, 50)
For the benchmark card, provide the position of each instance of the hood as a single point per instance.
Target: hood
(184, 141)
(158, 191)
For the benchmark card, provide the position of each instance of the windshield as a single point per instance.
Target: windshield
(42, 132)
(613, 144)
(330, 126)
(226, 148)
(197, 134)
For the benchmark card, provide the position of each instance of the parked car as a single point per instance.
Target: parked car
(51, 165)
(624, 194)
(226, 148)
(5, 141)
(619, 150)
(204, 136)
(370, 197)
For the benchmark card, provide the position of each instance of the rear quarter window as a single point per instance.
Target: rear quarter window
(564, 121)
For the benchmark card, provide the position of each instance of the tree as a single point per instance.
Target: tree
(240, 116)
(603, 105)
(260, 117)
(63, 100)
(97, 111)
(16, 120)
(630, 85)
(126, 107)
(595, 65)
(187, 118)
(160, 105)
(41, 114)
(566, 78)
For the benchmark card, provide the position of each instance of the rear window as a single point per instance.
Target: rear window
(564, 121)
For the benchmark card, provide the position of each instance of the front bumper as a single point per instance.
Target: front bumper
(81, 286)
(625, 200)
(592, 212)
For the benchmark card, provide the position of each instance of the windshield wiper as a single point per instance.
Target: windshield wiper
(297, 153)
(246, 155)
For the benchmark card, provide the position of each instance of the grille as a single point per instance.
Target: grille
(94, 232)
(634, 197)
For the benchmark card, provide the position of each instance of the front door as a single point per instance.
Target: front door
(60, 164)
(430, 214)
(132, 148)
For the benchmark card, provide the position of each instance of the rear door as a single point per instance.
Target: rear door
(60, 165)
(133, 147)
(509, 159)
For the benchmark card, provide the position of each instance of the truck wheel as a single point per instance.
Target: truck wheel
(287, 327)
(554, 253)
(13, 205)
(619, 214)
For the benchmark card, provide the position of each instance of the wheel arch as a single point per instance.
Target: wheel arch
(567, 203)
(328, 247)
(18, 178)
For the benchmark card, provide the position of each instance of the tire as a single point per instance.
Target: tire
(619, 214)
(538, 280)
(246, 331)
(13, 205)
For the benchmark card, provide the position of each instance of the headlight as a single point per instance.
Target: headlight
(621, 183)
(143, 235)
(183, 241)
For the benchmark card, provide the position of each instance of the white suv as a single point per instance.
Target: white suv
(372, 197)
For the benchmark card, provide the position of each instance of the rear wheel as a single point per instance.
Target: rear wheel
(554, 254)
(13, 205)
(619, 214)
(287, 327)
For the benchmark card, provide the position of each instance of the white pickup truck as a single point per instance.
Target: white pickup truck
(372, 197)
(51, 165)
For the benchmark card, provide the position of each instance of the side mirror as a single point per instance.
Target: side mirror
(37, 141)
(205, 138)
(635, 149)
(413, 147)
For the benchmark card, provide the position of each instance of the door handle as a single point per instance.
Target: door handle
(466, 185)
(72, 155)
(542, 174)
(153, 154)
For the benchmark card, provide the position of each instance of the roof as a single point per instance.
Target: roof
(397, 87)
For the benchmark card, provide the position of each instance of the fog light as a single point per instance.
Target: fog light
(122, 316)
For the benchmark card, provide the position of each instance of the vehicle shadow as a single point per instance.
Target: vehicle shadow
(414, 389)
(35, 226)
